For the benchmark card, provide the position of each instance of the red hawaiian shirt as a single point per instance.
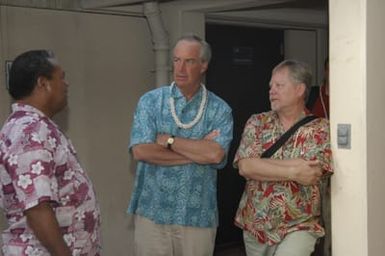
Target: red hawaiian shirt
(269, 210)
(38, 163)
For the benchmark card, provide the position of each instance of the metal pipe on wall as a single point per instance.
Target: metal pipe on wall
(160, 41)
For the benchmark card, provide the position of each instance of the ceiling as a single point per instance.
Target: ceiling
(296, 12)
(321, 5)
(212, 5)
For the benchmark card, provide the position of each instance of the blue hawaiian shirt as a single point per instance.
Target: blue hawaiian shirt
(181, 194)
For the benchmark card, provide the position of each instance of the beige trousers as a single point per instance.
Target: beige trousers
(297, 243)
(152, 239)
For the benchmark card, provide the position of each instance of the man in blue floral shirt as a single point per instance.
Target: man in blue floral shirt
(180, 137)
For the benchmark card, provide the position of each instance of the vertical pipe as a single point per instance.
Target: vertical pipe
(160, 41)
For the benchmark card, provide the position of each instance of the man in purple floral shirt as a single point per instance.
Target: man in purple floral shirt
(47, 198)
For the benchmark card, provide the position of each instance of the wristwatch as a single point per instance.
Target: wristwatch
(170, 141)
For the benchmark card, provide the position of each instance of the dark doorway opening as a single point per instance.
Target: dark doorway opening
(239, 73)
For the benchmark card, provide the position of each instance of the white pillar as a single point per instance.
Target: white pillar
(348, 91)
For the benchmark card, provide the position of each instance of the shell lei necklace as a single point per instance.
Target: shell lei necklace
(197, 117)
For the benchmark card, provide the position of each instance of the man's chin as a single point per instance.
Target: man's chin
(180, 83)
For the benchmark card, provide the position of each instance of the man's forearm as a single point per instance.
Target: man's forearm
(299, 170)
(285, 162)
(264, 169)
(202, 151)
(42, 220)
(157, 154)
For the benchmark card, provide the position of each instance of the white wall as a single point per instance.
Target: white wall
(348, 91)
(357, 61)
(108, 61)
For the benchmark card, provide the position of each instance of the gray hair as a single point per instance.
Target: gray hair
(205, 53)
(299, 72)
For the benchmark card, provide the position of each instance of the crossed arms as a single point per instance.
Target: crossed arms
(183, 151)
(263, 169)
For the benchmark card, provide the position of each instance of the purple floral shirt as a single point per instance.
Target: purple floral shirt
(38, 163)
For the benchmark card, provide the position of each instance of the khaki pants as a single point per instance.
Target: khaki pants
(152, 239)
(298, 243)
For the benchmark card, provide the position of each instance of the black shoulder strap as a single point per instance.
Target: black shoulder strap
(270, 151)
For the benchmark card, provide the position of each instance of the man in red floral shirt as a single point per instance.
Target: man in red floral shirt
(279, 211)
(47, 197)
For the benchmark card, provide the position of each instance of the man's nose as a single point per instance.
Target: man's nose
(182, 66)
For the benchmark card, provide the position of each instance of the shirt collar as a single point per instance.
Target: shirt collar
(176, 93)
(275, 119)
(27, 108)
(305, 112)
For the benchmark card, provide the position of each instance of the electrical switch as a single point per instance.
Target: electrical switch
(343, 135)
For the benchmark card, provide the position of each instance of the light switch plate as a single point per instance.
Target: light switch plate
(344, 136)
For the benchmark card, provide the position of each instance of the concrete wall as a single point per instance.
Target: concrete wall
(108, 61)
(357, 60)
(348, 86)
(375, 59)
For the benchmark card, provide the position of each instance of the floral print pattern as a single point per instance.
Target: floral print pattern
(181, 194)
(38, 163)
(269, 210)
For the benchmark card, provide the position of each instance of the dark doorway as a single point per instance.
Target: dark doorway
(239, 73)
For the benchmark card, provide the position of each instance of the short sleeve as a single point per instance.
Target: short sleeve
(225, 125)
(144, 124)
(324, 153)
(250, 145)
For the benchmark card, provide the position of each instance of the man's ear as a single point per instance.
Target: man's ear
(204, 67)
(301, 89)
(43, 84)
